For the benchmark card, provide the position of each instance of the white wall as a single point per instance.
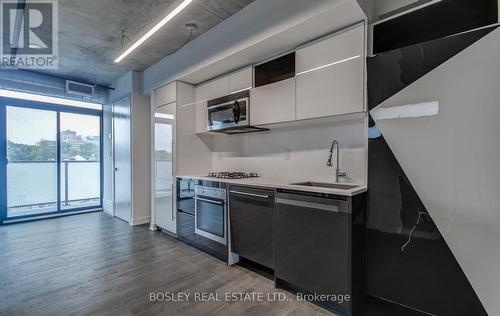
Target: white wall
(123, 88)
(141, 153)
(265, 152)
(131, 85)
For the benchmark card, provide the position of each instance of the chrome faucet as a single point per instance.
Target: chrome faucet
(338, 173)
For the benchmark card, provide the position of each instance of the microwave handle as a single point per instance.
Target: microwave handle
(236, 112)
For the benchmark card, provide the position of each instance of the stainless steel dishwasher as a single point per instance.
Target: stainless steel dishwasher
(313, 244)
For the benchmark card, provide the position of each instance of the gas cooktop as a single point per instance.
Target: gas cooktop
(232, 175)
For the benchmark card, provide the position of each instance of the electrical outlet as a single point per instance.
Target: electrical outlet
(287, 153)
(219, 156)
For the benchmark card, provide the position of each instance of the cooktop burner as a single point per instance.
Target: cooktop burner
(232, 175)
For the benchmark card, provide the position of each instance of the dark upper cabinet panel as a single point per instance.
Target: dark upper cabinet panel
(444, 18)
(275, 70)
(390, 72)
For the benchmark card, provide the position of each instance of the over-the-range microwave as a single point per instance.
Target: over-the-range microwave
(230, 114)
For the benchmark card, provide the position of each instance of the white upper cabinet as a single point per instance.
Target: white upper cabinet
(166, 94)
(330, 75)
(219, 87)
(202, 94)
(273, 103)
(240, 80)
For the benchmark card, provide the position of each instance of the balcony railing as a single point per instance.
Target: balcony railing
(32, 186)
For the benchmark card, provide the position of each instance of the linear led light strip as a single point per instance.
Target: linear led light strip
(165, 116)
(328, 65)
(48, 99)
(241, 90)
(158, 26)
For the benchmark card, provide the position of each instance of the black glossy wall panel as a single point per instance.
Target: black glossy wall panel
(435, 21)
(377, 307)
(392, 71)
(418, 271)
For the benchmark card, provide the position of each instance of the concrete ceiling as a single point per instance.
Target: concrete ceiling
(92, 33)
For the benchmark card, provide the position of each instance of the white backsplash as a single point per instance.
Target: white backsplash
(297, 153)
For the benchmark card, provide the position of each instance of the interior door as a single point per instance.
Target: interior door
(164, 167)
(122, 159)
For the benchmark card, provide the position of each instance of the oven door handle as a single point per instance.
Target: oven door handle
(209, 201)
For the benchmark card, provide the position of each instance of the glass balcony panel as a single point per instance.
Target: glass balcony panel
(31, 188)
(80, 184)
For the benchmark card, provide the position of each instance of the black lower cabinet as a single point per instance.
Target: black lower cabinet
(185, 226)
(252, 224)
(315, 236)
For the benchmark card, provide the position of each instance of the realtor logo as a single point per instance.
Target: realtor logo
(29, 34)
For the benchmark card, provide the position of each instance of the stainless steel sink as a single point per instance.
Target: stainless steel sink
(327, 185)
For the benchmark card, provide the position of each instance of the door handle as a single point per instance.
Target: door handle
(115, 169)
(173, 208)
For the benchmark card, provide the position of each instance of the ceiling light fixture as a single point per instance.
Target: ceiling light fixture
(158, 26)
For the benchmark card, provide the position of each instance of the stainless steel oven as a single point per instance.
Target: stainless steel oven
(210, 213)
(229, 111)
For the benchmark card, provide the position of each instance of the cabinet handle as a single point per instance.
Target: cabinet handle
(250, 194)
(312, 205)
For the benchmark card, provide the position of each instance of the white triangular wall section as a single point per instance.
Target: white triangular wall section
(453, 159)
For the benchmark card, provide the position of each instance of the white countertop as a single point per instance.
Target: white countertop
(280, 184)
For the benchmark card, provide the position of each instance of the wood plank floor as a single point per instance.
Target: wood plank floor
(99, 265)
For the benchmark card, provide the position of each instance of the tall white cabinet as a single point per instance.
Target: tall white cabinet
(176, 149)
(164, 151)
(202, 94)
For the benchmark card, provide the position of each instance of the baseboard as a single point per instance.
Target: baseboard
(140, 221)
(35, 218)
(110, 212)
(107, 206)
